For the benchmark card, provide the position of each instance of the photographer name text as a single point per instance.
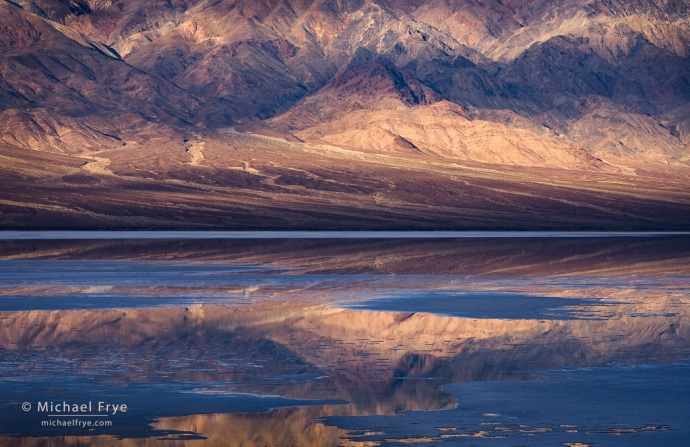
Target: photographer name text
(83, 408)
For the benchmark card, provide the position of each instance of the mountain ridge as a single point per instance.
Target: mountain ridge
(289, 50)
(143, 93)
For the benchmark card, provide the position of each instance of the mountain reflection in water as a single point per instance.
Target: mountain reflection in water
(278, 360)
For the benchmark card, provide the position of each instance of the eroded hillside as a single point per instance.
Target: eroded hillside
(142, 95)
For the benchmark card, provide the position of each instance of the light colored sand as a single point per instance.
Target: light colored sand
(196, 150)
(99, 166)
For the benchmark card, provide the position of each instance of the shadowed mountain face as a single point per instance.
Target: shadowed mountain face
(65, 92)
(577, 86)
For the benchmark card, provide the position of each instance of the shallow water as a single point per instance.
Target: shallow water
(358, 342)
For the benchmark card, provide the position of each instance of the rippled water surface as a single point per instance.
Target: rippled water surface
(360, 341)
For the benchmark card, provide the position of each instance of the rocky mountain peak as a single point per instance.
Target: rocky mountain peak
(379, 79)
(236, 61)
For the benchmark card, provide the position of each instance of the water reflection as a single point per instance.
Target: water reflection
(481, 256)
(380, 363)
(281, 357)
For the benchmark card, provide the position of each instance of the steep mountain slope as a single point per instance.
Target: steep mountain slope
(540, 59)
(376, 107)
(155, 94)
(63, 91)
(374, 85)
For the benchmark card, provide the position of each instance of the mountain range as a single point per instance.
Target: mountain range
(357, 114)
